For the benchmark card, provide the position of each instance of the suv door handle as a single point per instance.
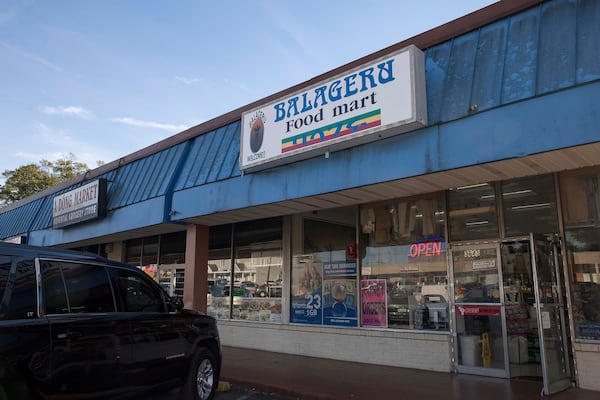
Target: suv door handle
(69, 335)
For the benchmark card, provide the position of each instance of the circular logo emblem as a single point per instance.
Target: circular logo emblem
(257, 132)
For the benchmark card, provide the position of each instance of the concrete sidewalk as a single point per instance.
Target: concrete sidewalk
(316, 378)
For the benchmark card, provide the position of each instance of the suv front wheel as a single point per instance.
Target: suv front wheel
(202, 377)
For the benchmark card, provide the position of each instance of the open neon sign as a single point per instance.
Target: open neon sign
(430, 247)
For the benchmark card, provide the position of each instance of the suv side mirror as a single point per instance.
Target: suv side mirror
(175, 303)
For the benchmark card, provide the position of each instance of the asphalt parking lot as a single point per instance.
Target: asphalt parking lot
(234, 392)
(241, 393)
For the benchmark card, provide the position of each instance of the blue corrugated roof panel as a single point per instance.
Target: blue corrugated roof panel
(588, 45)
(227, 162)
(546, 48)
(436, 68)
(143, 179)
(213, 157)
(557, 46)
(491, 51)
(520, 69)
(456, 97)
(18, 221)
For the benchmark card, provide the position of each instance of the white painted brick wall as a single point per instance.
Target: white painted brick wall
(383, 347)
(588, 365)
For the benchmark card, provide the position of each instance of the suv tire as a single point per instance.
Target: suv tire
(202, 377)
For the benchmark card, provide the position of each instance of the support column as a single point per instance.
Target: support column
(195, 285)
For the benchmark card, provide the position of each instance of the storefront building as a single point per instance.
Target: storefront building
(434, 205)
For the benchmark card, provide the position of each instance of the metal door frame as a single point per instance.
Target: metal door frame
(563, 383)
(549, 387)
(492, 372)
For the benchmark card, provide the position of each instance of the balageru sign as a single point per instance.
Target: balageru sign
(383, 98)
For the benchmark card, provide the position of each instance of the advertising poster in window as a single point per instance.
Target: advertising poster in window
(374, 302)
(307, 293)
(339, 294)
(150, 270)
(257, 309)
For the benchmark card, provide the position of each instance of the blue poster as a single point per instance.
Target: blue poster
(339, 302)
(339, 294)
(307, 294)
(307, 309)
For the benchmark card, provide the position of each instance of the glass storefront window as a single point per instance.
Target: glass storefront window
(476, 275)
(324, 271)
(143, 253)
(472, 212)
(172, 248)
(219, 271)
(133, 252)
(247, 286)
(171, 268)
(150, 251)
(529, 205)
(404, 275)
(258, 271)
(171, 280)
(581, 212)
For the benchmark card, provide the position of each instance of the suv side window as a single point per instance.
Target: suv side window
(18, 297)
(137, 295)
(76, 288)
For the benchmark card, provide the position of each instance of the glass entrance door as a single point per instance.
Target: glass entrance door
(535, 313)
(550, 311)
(509, 312)
(523, 345)
(480, 334)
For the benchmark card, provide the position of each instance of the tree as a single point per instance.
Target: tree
(64, 169)
(32, 178)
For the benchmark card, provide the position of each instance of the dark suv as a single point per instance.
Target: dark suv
(77, 326)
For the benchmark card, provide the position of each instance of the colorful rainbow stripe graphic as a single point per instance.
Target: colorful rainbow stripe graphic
(332, 131)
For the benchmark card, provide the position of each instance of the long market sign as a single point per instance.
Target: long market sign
(82, 204)
(383, 98)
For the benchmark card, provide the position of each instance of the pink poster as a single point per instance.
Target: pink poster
(374, 302)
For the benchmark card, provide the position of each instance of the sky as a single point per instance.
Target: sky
(101, 79)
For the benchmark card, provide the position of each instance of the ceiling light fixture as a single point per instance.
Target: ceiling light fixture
(530, 206)
(471, 186)
(475, 223)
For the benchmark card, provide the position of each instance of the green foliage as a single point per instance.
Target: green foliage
(32, 178)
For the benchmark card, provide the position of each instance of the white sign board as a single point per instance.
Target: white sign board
(484, 264)
(81, 204)
(383, 98)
